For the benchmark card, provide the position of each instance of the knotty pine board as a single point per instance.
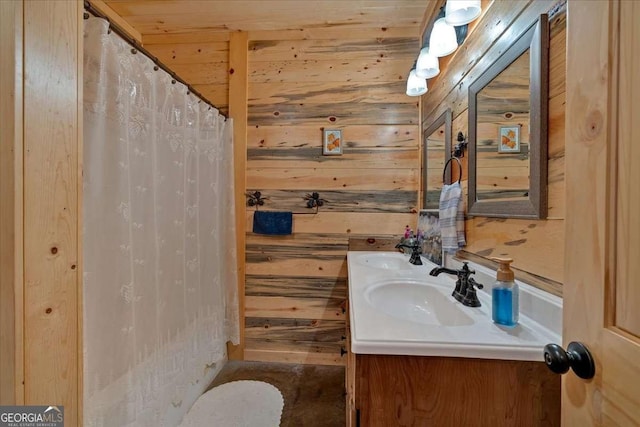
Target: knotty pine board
(313, 159)
(296, 286)
(327, 349)
(11, 208)
(556, 189)
(305, 93)
(333, 114)
(557, 58)
(295, 340)
(535, 246)
(203, 73)
(333, 33)
(354, 136)
(202, 36)
(238, 94)
(556, 126)
(295, 352)
(302, 330)
(329, 70)
(293, 308)
(201, 62)
(323, 178)
(217, 93)
(339, 50)
(363, 201)
(52, 310)
(192, 53)
(347, 222)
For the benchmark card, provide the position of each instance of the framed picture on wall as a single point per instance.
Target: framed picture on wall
(429, 226)
(332, 142)
(509, 139)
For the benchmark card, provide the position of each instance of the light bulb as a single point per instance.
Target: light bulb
(427, 65)
(442, 41)
(461, 12)
(416, 86)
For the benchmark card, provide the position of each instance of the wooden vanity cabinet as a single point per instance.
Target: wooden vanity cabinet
(397, 391)
(446, 391)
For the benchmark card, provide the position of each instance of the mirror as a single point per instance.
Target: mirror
(508, 130)
(437, 143)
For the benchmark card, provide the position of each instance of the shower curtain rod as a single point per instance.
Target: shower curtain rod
(88, 7)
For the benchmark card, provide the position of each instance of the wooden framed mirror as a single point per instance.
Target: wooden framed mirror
(436, 150)
(508, 122)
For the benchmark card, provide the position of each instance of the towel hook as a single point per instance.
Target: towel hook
(444, 171)
(313, 201)
(255, 199)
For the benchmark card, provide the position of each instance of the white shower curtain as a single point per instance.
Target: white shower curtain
(160, 285)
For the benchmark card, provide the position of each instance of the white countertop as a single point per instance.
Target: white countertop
(375, 332)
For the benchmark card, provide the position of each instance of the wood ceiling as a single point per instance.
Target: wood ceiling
(179, 16)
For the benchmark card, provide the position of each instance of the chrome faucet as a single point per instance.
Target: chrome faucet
(465, 291)
(416, 250)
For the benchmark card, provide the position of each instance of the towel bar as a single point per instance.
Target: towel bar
(313, 200)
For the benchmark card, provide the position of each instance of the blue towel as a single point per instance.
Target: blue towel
(271, 222)
(452, 218)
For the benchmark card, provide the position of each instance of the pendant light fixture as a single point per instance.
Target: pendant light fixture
(416, 86)
(449, 30)
(427, 65)
(461, 12)
(442, 41)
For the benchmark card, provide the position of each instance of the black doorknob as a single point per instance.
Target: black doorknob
(577, 357)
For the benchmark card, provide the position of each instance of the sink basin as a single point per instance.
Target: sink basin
(417, 301)
(384, 260)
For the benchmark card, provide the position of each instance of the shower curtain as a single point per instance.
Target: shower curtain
(160, 285)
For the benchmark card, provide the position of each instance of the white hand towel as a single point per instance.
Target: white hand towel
(452, 218)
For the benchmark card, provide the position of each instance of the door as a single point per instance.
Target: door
(602, 267)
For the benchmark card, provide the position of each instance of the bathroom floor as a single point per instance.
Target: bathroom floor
(313, 395)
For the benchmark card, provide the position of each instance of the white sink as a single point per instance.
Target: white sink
(397, 308)
(417, 301)
(384, 260)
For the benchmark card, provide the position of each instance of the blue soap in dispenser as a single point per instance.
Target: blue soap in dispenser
(505, 295)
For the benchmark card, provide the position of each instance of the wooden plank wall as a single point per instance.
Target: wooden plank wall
(11, 291)
(533, 244)
(200, 59)
(295, 284)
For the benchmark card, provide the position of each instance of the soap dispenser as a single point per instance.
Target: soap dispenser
(505, 295)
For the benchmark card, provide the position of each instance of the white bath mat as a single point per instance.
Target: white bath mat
(237, 404)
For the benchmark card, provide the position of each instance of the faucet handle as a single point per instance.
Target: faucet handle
(465, 271)
(472, 282)
(470, 298)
